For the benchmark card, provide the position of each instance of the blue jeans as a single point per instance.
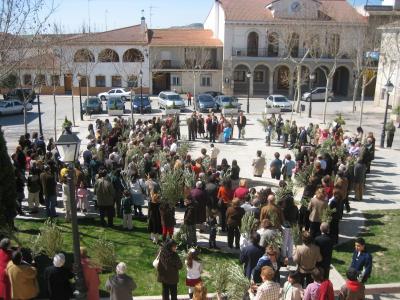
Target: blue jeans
(51, 204)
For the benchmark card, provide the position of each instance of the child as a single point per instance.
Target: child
(200, 292)
(126, 208)
(213, 225)
(292, 289)
(194, 269)
(227, 133)
(82, 194)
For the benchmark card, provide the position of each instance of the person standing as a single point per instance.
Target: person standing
(189, 98)
(391, 129)
(325, 244)
(214, 151)
(190, 219)
(168, 270)
(268, 289)
(352, 289)
(120, 285)
(316, 207)
(225, 195)
(5, 257)
(258, 164)
(91, 275)
(126, 210)
(275, 167)
(33, 184)
(167, 214)
(250, 254)
(22, 278)
(241, 123)
(58, 279)
(292, 290)
(361, 260)
(288, 167)
(192, 126)
(49, 185)
(279, 126)
(193, 270)
(359, 179)
(313, 288)
(105, 193)
(234, 215)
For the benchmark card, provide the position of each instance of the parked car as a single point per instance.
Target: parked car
(141, 101)
(205, 102)
(120, 93)
(92, 105)
(169, 100)
(279, 101)
(317, 94)
(9, 107)
(116, 104)
(24, 94)
(214, 93)
(226, 101)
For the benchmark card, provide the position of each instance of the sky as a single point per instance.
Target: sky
(71, 15)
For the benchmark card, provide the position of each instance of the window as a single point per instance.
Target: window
(40, 79)
(84, 81)
(239, 76)
(258, 76)
(205, 80)
(383, 91)
(132, 81)
(273, 44)
(116, 81)
(100, 81)
(55, 80)
(175, 80)
(27, 79)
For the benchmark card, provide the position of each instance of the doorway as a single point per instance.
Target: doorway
(161, 82)
(68, 84)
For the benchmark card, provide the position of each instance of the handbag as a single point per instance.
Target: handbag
(156, 261)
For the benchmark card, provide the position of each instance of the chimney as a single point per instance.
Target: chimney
(216, 14)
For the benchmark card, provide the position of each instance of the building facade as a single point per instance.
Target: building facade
(267, 42)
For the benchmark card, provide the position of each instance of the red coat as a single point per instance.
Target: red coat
(92, 279)
(5, 285)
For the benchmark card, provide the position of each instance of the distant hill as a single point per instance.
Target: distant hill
(194, 26)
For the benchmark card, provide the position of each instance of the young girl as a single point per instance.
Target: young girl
(82, 194)
(194, 269)
(200, 292)
(292, 289)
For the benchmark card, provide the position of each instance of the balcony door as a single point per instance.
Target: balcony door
(252, 44)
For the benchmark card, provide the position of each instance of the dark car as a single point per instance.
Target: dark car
(141, 102)
(214, 93)
(92, 105)
(226, 101)
(115, 103)
(24, 94)
(205, 102)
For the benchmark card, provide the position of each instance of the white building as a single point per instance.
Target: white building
(268, 39)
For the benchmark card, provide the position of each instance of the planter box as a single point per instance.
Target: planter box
(230, 111)
(115, 112)
(272, 110)
(172, 111)
(395, 117)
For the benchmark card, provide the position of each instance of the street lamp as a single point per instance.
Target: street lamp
(248, 91)
(79, 77)
(68, 147)
(37, 92)
(141, 91)
(389, 88)
(312, 78)
(197, 67)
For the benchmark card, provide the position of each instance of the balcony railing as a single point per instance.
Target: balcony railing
(176, 64)
(268, 52)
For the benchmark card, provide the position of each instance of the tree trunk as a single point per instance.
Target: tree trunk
(364, 85)
(328, 81)
(73, 109)
(25, 120)
(55, 116)
(298, 87)
(356, 84)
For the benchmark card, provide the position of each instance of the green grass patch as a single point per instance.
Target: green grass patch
(382, 235)
(134, 248)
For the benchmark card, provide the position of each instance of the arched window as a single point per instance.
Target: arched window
(333, 43)
(252, 44)
(293, 47)
(108, 55)
(273, 44)
(133, 55)
(84, 55)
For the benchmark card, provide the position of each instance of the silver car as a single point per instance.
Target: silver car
(170, 100)
(9, 107)
(279, 101)
(317, 94)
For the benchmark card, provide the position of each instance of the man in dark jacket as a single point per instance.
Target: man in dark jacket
(362, 260)
(190, 219)
(241, 123)
(120, 285)
(58, 279)
(250, 254)
(192, 127)
(325, 244)
(200, 197)
(49, 185)
(211, 191)
(105, 194)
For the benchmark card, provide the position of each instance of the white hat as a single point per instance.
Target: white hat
(121, 268)
(199, 184)
(59, 260)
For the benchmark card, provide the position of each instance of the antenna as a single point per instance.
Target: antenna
(105, 17)
(151, 14)
(88, 11)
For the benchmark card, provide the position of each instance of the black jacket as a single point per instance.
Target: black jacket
(58, 285)
(168, 271)
(249, 256)
(190, 217)
(325, 244)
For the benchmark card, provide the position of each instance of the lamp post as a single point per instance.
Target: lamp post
(248, 75)
(79, 77)
(37, 92)
(68, 147)
(141, 91)
(197, 67)
(389, 88)
(312, 78)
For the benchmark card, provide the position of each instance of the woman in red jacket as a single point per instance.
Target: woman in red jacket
(5, 257)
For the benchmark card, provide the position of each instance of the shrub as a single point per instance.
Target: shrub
(49, 241)
(102, 253)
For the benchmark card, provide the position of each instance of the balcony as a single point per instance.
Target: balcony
(273, 53)
(167, 64)
(188, 65)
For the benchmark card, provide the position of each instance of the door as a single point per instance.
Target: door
(67, 84)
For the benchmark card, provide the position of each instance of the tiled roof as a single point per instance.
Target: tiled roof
(255, 10)
(132, 34)
(183, 37)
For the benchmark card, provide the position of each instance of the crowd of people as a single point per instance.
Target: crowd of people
(122, 170)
